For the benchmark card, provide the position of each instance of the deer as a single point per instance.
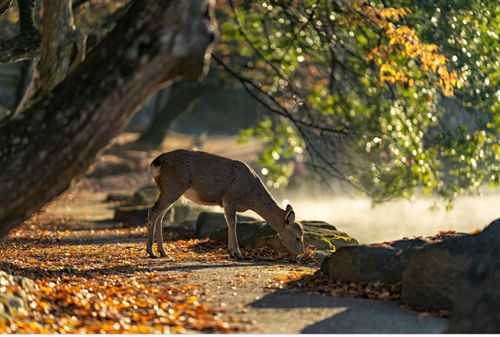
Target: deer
(209, 179)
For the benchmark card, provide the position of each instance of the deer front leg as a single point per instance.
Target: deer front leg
(232, 240)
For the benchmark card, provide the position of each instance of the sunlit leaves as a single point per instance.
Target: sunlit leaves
(105, 288)
(369, 79)
(404, 41)
(85, 285)
(282, 144)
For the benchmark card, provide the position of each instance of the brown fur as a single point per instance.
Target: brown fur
(209, 179)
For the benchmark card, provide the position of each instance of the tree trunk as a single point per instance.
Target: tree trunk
(182, 98)
(46, 148)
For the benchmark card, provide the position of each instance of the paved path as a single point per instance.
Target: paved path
(285, 312)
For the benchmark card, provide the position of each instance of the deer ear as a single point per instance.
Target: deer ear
(290, 216)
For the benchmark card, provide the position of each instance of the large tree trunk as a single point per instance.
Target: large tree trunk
(50, 145)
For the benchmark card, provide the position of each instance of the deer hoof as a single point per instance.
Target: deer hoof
(164, 254)
(152, 255)
(237, 256)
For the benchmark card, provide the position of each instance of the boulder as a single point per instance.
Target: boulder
(122, 197)
(435, 272)
(321, 235)
(132, 216)
(256, 234)
(477, 303)
(134, 209)
(248, 232)
(146, 195)
(210, 222)
(371, 263)
(187, 211)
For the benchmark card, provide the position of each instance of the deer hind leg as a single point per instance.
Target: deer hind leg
(155, 219)
(232, 240)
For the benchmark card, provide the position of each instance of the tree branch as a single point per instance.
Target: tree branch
(63, 48)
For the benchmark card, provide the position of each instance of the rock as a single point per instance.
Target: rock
(324, 236)
(323, 242)
(477, 304)
(146, 195)
(211, 222)
(434, 273)
(248, 232)
(118, 197)
(370, 263)
(133, 216)
(319, 227)
(321, 255)
(256, 234)
(187, 212)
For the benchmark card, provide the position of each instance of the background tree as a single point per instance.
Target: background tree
(359, 86)
(182, 96)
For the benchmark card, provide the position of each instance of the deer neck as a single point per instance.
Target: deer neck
(269, 210)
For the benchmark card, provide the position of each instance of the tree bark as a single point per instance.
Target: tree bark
(46, 148)
(63, 48)
(4, 5)
(26, 45)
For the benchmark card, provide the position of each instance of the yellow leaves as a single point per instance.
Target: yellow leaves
(62, 233)
(86, 305)
(403, 41)
(390, 73)
(109, 288)
(192, 300)
(386, 13)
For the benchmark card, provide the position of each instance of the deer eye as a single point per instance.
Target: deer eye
(298, 239)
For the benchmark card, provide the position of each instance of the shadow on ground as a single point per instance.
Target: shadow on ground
(352, 315)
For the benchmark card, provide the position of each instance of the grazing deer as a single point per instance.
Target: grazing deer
(209, 179)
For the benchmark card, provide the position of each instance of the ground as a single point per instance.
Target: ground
(92, 277)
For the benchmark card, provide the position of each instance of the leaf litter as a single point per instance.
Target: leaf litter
(83, 287)
(105, 288)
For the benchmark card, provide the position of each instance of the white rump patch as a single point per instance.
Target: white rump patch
(155, 171)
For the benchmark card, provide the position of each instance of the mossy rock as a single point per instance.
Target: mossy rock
(256, 234)
(329, 242)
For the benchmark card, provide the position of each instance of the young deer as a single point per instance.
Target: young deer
(209, 179)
